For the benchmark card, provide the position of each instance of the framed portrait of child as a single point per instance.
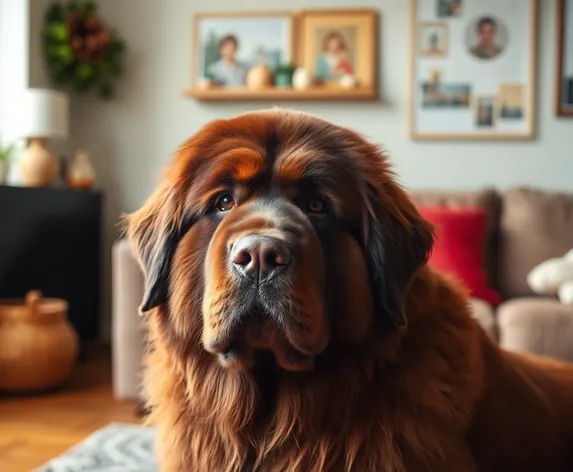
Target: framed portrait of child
(339, 45)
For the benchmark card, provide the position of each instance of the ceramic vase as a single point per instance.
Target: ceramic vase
(259, 77)
(37, 165)
(80, 172)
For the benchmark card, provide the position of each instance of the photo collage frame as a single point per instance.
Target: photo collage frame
(472, 69)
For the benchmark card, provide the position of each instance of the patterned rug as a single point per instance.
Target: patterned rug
(116, 448)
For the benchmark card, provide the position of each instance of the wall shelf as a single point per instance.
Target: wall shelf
(282, 93)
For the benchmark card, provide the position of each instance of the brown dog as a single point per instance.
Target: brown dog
(295, 325)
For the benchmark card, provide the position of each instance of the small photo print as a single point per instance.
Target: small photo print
(486, 37)
(485, 111)
(433, 39)
(449, 8)
(435, 75)
(512, 101)
(445, 95)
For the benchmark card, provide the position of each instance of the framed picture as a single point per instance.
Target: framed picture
(228, 45)
(335, 45)
(472, 69)
(449, 8)
(564, 73)
(433, 40)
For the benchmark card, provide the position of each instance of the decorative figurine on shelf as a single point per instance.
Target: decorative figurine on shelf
(81, 174)
(347, 81)
(259, 77)
(301, 79)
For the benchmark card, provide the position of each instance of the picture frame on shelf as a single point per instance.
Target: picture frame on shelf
(564, 66)
(472, 70)
(227, 46)
(339, 47)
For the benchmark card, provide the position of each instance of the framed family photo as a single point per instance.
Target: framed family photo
(229, 45)
(472, 69)
(564, 69)
(338, 43)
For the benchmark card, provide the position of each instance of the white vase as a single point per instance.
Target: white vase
(301, 79)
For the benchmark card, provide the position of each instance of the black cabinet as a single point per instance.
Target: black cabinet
(50, 240)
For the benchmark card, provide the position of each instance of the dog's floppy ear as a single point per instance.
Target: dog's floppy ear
(154, 232)
(398, 242)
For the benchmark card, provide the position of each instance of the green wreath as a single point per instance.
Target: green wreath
(80, 50)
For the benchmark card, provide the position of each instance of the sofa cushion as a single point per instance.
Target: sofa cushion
(535, 225)
(487, 199)
(536, 325)
(459, 248)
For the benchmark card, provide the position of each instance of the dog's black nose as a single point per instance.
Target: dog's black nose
(258, 258)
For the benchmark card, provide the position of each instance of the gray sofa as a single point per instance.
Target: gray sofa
(526, 226)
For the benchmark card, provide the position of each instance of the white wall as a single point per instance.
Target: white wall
(132, 137)
(14, 63)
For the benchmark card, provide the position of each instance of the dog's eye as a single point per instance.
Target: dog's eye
(317, 206)
(225, 203)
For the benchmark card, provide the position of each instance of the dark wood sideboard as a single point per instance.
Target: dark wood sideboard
(51, 240)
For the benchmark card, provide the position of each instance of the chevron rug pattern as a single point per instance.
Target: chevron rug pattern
(116, 448)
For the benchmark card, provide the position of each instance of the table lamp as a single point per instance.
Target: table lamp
(43, 115)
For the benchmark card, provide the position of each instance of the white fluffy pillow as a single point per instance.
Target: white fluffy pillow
(566, 293)
(547, 277)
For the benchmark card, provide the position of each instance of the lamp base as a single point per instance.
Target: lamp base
(37, 165)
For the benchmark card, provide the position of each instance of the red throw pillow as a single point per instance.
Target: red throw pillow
(459, 249)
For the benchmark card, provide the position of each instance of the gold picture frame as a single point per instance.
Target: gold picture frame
(356, 30)
(447, 116)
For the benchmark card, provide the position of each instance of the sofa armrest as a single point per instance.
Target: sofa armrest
(537, 325)
(127, 329)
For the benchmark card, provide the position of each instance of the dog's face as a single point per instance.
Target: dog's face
(276, 232)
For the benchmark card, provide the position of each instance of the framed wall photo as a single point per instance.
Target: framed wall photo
(228, 45)
(472, 69)
(333, 44)
(564, 72)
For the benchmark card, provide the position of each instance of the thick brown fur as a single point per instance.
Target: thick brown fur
(433, 393)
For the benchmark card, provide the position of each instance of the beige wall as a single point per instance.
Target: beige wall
(132, 137)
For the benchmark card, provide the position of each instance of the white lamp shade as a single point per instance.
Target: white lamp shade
(43, 114)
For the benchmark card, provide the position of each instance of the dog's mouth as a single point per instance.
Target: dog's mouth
(259, 340)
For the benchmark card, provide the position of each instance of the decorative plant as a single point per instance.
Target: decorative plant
(6, 152)
(283, 74)
(80, 50)
(285, 68)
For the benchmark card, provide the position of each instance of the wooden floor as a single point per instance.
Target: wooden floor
(36, 428)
